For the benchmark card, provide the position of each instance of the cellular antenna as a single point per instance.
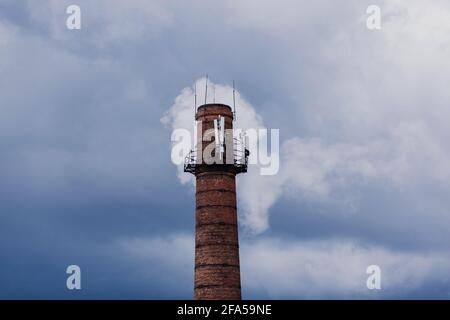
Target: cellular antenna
(206, 88)
(234, 102)
(214, 90)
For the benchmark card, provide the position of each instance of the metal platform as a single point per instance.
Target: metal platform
(240, 160)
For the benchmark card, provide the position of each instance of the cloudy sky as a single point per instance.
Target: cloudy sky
(86, 117)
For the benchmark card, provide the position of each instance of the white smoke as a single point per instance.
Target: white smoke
(312, 169)
(181, 115)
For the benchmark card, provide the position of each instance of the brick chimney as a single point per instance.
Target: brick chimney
(217, 270)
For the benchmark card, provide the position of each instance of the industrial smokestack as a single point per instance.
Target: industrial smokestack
(217, 269)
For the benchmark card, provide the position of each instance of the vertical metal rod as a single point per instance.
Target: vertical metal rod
(206, 89)
(195, 98)
(234, 101)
